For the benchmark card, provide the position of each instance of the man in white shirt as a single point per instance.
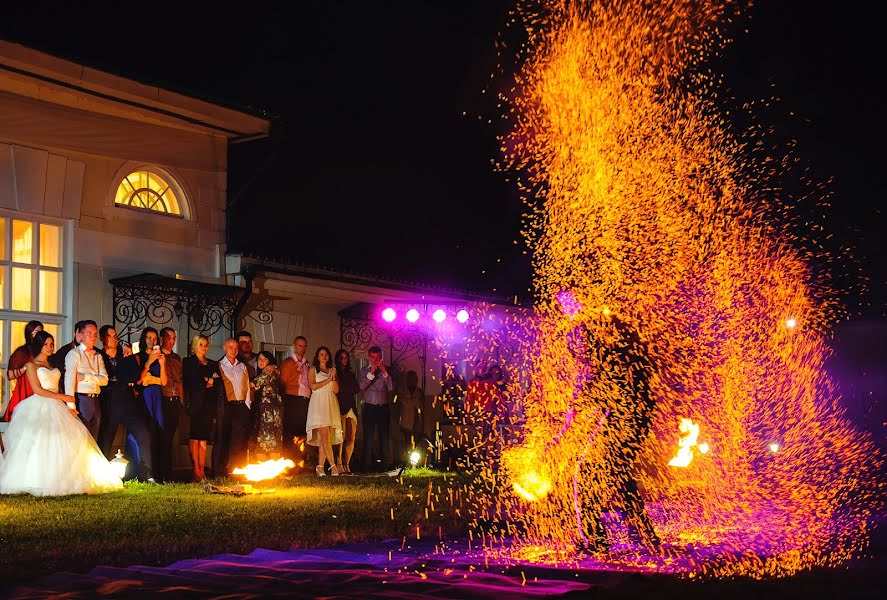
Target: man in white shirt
(296, 394)
(85, 375)
(232, 445)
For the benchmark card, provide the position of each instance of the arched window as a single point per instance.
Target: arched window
(149, 190)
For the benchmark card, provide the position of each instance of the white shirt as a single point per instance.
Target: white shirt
(89, 371)
(238, 375)
(304, 385)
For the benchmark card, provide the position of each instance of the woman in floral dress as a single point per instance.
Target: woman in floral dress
(267, 406)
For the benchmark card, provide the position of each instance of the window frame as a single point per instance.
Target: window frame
(7, 314)
(174, 182)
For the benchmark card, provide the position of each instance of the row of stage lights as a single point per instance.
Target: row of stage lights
(389, 315)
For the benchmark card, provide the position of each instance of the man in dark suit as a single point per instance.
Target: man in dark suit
(121, 407)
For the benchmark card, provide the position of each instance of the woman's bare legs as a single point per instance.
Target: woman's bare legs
(348, 442)
(193, 449)
(326, 449)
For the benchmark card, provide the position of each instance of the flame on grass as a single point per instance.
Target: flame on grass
(643, 206)
(268, 469)
(686, 443)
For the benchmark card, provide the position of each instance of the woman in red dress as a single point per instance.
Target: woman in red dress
(16, 369)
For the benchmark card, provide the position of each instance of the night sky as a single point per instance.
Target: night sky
(381, 156)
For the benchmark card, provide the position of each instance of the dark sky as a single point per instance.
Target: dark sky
(375, 166)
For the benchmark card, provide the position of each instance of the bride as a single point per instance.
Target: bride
(49, 451)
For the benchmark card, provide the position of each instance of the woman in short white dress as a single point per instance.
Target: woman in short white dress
(324, 425)
(49, 450)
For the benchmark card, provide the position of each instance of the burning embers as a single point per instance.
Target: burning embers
(531, 487)
(265, 470)
(690, 431)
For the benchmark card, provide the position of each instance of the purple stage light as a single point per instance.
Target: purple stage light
(439, 315)
(389, 315)
(462, 316)
(569, 304)
(412, 315)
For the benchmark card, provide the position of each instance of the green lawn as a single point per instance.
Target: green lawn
(159, 524)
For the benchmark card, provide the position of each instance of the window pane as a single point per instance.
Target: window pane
(54, 330)
(16, 335)
(21, 289)
(2, 287)
(50, 245)
(148, 191)
(17, 332)
(50, 289)
(2, 238)
(3, 356)
(22, 241)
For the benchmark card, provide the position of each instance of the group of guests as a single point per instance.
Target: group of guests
(245, 403)
(300, 404)
(109, 386)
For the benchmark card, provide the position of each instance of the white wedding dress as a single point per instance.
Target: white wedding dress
(323, 411)
(49, 452)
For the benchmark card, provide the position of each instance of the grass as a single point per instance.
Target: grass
(157, 525)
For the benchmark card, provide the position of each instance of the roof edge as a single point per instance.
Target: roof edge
(50, 72)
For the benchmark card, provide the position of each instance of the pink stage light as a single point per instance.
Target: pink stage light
(570, 305)
(412, 315)
(389, 315)
(439, 315)
(462, 316)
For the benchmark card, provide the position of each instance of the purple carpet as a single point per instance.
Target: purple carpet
(363, 570)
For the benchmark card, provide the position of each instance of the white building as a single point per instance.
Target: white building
(113, 207)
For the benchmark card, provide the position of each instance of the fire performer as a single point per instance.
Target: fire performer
(620, 389)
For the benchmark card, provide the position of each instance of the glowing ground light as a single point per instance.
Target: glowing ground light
(389, 314)
(415, 457)
(412, 315)
(439, 315)
(791, 323)
(462, 316)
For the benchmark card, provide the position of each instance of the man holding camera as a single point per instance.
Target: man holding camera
(375, 382)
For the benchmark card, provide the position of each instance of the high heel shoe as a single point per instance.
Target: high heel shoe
(320, 471)
(334, 472)
(340, 469)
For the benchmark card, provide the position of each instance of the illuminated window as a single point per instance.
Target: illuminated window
(149, 190)
(32, 276)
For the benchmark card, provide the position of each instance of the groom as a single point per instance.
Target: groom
(85, 375)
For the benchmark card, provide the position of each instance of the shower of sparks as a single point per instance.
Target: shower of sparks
(661, 270)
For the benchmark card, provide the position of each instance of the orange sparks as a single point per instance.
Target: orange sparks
(687, 303)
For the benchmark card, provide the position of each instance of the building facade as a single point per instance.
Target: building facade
(102, 177)
(113, 208)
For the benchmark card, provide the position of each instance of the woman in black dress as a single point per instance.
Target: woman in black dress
(200, 378)
(348, 407)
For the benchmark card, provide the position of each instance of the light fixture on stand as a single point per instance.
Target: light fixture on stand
(119, 463)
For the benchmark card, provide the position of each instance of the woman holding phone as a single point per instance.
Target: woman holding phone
(153, 377)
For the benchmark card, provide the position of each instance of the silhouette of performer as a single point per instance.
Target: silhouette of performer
(621, 384)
